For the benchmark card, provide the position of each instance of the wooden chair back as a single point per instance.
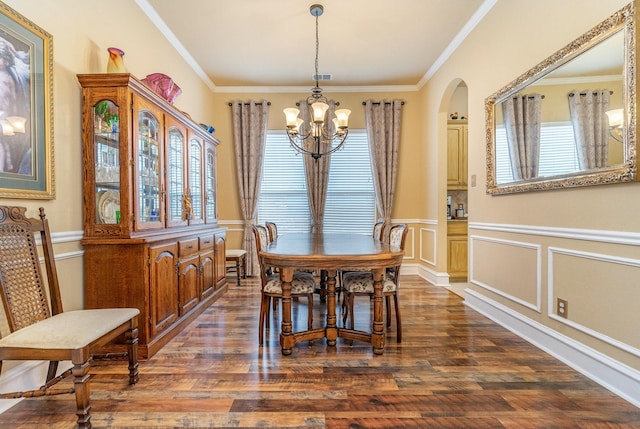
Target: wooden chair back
(273, 230)
(262, 241)
(24, 296)
(378, 230)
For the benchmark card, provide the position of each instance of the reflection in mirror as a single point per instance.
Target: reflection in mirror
(569, 121)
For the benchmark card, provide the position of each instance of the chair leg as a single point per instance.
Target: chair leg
(53, 369)
(264, 310)
(398, 322)
(345, 308)
(350, 310)
(310, 313)
(132, 349)
(80, 373)
(388, 301)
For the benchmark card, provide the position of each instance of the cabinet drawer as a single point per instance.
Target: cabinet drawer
(457, 227)
(187, 247)
(206, 242)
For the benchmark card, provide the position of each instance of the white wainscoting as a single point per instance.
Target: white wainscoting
(515, 247)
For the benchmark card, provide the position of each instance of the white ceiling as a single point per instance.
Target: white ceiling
(271, 43)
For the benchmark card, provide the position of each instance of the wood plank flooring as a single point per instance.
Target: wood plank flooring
(454, 369)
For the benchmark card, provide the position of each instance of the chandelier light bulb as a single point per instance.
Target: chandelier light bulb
(342, 116)
(615, 117)
(319, 111)
(291, 115)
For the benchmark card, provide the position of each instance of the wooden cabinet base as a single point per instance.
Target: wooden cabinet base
(144, 273)
(151, 348)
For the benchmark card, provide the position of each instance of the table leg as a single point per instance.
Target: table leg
(377, 336)
(331, 330)
(287, 341)
(238, 271)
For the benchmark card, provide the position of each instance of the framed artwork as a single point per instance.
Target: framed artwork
(26, 108)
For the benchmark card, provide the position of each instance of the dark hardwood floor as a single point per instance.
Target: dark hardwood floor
(454, 369)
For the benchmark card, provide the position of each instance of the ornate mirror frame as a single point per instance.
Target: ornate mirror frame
(624, 20)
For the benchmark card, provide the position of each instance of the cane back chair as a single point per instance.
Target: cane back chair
(39, 331)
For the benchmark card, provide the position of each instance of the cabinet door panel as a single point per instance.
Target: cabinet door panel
(221, 263)
(196, 175)
(458, 258)
(175, 173)
(188, 283)
(163, 285)
(148, 162)
(207, 278)
(210, 208)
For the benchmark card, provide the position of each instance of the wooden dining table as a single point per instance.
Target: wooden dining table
(330, 253)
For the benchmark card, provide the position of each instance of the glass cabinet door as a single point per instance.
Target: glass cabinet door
(148, 153)
(175, 174)
(210, 184)
(196, 150)
(106, 138)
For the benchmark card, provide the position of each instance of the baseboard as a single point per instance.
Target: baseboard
(620, 379)
(433, 277)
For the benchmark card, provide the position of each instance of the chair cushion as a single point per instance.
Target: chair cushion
(234, 253)
(362, 282)
(70, 329)
(303, 283)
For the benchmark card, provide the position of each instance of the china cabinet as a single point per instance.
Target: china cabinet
(151, 235)
(457, 155)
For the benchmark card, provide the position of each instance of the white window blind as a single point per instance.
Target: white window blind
(351, 199)
(283, 192)
(558, 153)
(350, 205)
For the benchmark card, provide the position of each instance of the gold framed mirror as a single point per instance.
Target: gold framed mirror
(570, 120)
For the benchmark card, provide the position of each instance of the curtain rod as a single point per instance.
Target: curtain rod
(380, 102)
(584, 93)
(246, 104)
(528, 96)
(337, 103)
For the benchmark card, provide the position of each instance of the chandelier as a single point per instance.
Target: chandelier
(616, 123)
(319, 139)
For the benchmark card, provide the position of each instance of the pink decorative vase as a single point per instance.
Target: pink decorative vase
(116, 63)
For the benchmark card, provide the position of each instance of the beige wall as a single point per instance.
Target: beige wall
(526, 250)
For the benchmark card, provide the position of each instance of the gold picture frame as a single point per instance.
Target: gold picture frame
(26, 108)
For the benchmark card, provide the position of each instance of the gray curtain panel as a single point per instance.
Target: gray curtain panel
(522, 118)
(383, 120)
(590, 127)
(249, 137)
(317, 172)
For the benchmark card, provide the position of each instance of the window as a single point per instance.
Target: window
(558, 153)
(350, 205)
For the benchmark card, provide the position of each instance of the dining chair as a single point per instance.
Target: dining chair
(378, 230)
(303, 284)
(377, 233)
(41, 331)
(273, 231)
(361, 283)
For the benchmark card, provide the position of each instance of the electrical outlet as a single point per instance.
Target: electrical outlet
(562, 308)
(473, 180)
